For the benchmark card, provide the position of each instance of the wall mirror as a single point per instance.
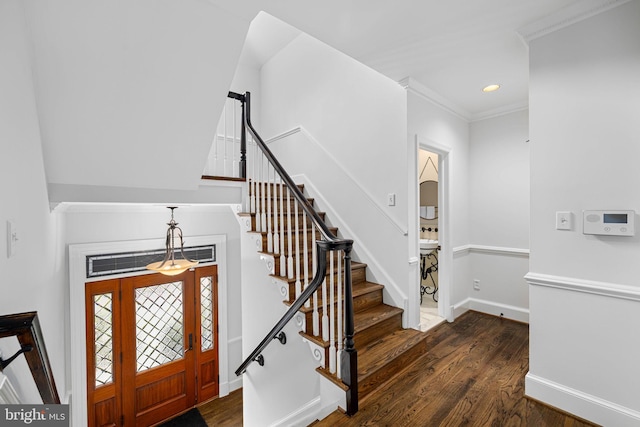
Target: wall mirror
(428, 195)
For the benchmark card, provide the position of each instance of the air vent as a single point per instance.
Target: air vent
(129, 262)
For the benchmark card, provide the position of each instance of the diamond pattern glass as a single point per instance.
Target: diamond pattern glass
(206, 313)
(103, 332)
(159, 325)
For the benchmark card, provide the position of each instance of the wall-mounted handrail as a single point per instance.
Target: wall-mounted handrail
(26, 327)
(329, 242)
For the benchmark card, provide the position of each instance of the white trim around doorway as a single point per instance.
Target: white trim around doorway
(77, 329)
(445, 261)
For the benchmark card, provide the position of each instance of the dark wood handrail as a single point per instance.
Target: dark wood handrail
(329, 243)
(26, 327)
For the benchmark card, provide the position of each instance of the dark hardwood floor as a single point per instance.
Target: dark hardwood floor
(472, 375)
(223, 412)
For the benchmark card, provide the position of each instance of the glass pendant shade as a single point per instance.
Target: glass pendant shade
(170, 266)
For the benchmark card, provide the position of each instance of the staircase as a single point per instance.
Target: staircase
(384, 349)
(356, 338)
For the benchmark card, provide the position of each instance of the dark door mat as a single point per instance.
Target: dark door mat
(191, 418)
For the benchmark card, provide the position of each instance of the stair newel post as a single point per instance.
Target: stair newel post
(332, 314)
(339, 294)
(350, 354)
(243, 140)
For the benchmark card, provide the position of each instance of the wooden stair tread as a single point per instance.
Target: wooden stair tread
(368, 318)
(359, 289)
(363, 320)
(378, 354)
(354, 266)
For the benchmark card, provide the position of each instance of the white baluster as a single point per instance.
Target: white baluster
(332, 317)
(283, 259)
(305, 254)
(315, 318)
(263, 205)
(235, 166)
(325, 316)
(269, 211)
(297, 244)
(289, 237)
(276, 234)
(224, 117)
(340, 294)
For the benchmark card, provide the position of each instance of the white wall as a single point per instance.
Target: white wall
(34, 278)
(584, 293)
(354, 120)
(499, 215)
(430, 124)
(120, 85)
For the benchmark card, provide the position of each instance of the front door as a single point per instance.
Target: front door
(158, 356)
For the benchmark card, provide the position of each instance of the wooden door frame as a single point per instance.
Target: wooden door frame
(77, 312)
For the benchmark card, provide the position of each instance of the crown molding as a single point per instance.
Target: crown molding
(417, 88)
(501, 111)
(569, 15)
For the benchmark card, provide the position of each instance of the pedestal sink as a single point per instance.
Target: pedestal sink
(427, 245)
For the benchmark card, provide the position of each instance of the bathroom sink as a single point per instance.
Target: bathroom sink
(428, 245)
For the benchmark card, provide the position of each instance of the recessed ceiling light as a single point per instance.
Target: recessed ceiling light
(491, 88)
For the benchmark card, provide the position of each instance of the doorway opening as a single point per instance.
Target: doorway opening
(429, 244)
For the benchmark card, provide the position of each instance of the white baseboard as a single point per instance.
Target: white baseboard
(494, 308)
(304, 416)
(583, 405)
(460, 308)
(227, 387)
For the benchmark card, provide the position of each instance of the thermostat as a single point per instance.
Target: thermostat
(609, 223)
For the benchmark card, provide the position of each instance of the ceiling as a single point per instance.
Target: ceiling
(453, 48)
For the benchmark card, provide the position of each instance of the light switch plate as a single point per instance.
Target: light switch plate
(12, 239)
(391, 199)
(564, 221)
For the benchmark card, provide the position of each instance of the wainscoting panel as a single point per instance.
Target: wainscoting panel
(584, 348)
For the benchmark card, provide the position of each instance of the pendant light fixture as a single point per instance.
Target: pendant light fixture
(171, 266)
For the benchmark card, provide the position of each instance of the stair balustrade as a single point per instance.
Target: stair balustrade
(306, 252)
(227, 155)
(26, 328)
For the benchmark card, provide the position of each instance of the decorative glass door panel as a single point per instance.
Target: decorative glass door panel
(103, 349)
(207, 326)
(159, 325)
